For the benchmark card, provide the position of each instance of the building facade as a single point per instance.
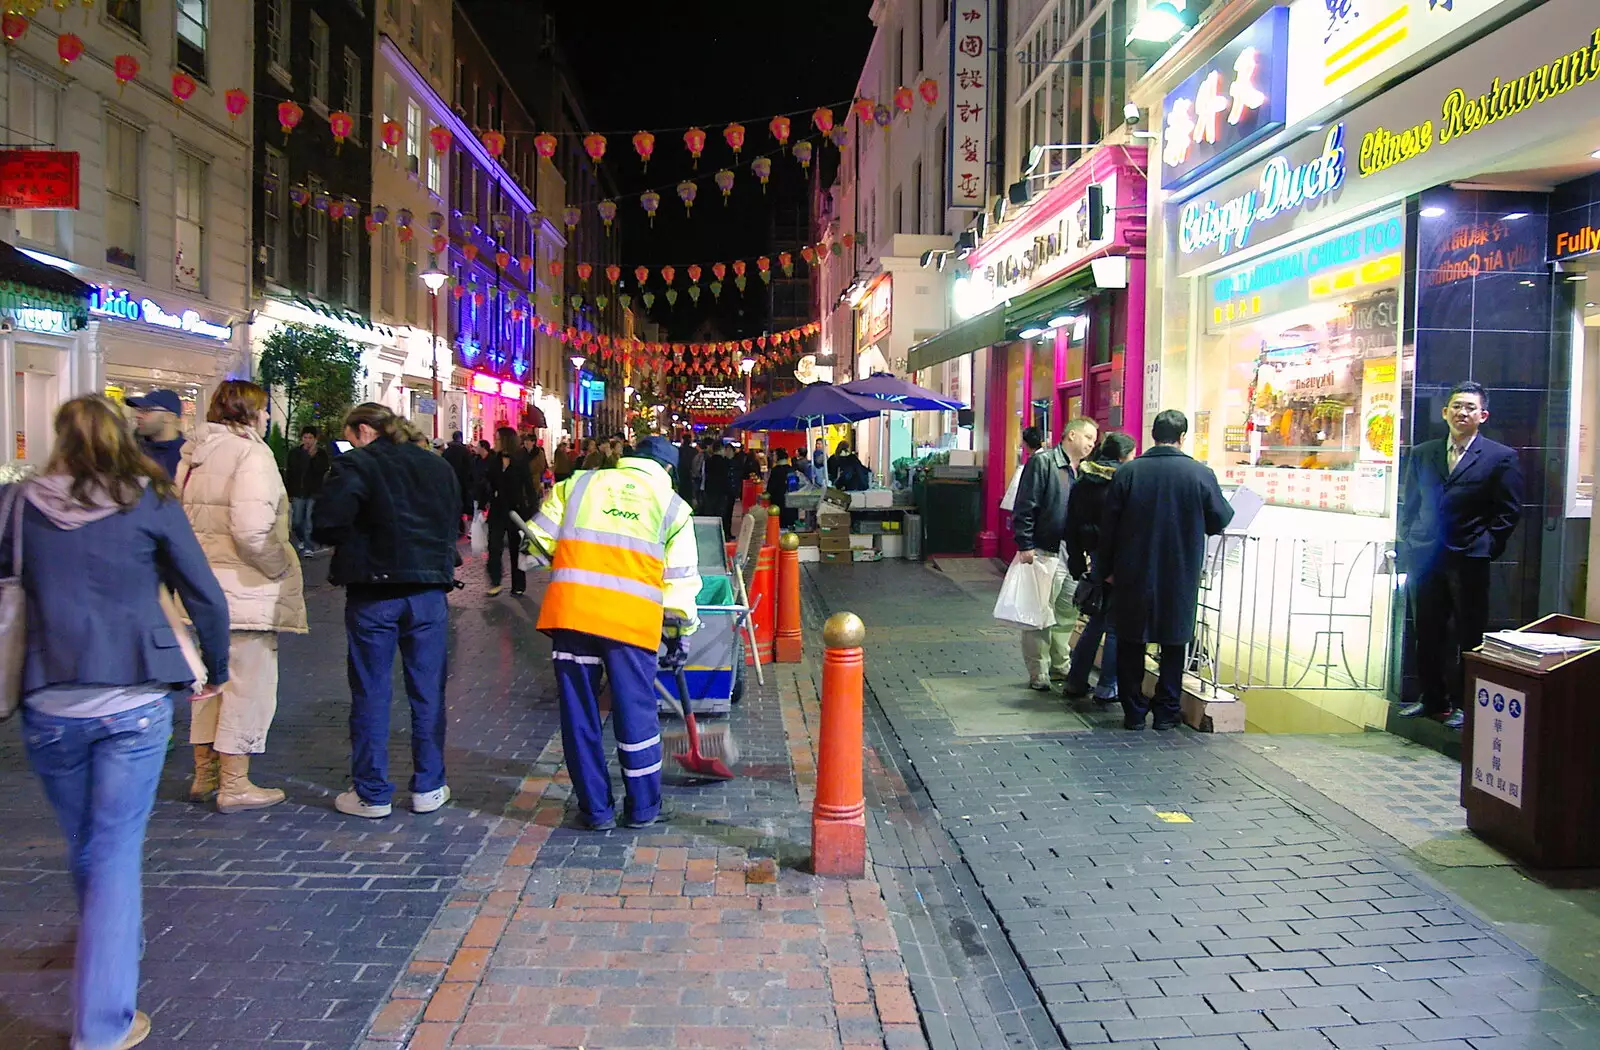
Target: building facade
(162, 227)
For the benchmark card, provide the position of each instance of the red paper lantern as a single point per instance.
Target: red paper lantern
(809, 254)
(289, 116)
(695, 140)
(584, 271)
(644, 144)
(763, 264)
(718, 271)
(12, 26)
(929, 89)
(477, 298)
(544, 144)
(641, 274)
(849, 240)
(734, 135)
(470, 250)
(236, 100)
(440, 243)
(863, 109)
(613, 273)
(595, 146)
(440, 138)
(495, 143)
(502, 258)
(695, 272)
(526, 262)
(667, 274)
(904, 99)
(459, 291)
(68, 47)
(738, 267)
(823, 119)
(780, 128)
(555, 268)
(405, 233)
(124, 68)
(341, 124)
(183, 87)
(391, 133)
(761, 341)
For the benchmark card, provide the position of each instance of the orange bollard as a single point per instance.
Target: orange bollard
(772, 526)
(764, 603)
(839, 814)
(788, 642)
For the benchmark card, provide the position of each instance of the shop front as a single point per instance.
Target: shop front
(1324, 285)
(1053, 306)
(46, 353)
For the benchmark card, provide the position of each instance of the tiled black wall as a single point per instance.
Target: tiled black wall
(1483, 307)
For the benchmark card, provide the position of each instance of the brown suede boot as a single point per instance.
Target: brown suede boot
(236, 792)
(204, 784)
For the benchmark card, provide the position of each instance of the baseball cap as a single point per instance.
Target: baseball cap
(166, 400)
(657, 448)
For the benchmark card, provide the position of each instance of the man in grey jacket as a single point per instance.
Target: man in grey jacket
(1038, 522)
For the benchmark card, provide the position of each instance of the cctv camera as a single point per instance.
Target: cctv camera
(1130, 113)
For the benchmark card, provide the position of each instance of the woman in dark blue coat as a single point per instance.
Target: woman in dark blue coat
(102, 531)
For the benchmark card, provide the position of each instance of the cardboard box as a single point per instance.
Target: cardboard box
(893, 546)
(861, 542)
(866, 555)
(835, 543)
(810, 554)
(835, 557)
(807, 539)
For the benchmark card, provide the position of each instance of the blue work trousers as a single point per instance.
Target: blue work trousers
(579, 659)
(418, 626)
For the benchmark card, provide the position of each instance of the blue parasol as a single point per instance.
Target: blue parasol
(819, 404)
(901, 395)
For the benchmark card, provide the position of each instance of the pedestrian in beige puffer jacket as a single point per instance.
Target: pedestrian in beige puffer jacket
(239, 509)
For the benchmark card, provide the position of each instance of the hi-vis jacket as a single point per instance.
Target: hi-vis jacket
(623, 554)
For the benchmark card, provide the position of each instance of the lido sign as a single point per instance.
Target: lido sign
(116, 302)
(1284, 187)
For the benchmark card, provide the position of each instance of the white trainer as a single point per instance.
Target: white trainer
(428, 801)
(349, 802)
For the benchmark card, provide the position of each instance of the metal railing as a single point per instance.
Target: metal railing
(1294, 614)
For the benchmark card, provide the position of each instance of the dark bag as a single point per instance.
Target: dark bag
(1089, 597)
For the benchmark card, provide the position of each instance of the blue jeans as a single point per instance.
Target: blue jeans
(1083, 654)
(418, 625)
(579, 660)
(100, 776)
(300, 522)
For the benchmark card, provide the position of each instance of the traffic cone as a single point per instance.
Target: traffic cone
(764, 604)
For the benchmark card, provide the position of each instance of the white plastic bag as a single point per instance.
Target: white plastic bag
(1025, 595)
(1008, 502)
(479, 533)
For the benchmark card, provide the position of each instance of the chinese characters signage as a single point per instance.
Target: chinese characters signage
(968, 120)
(877, 311)
(38, 178)
(1235, 99)
(1497, 724)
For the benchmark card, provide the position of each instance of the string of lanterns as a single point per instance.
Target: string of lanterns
(724, 358)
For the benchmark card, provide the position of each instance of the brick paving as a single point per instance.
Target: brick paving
(1165, 891)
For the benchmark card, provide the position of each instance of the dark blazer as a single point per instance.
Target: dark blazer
(391, 511)
(1085, 508)
(100, 622)
(1471, 512)
(1158, 513)
(1039, 514)
(303, 476)
(510, 487)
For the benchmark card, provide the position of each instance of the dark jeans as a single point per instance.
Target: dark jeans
(1169, 684)
(1450, 605)
(418, 626)
(1083, 654)
(505, 537)
(300, 521)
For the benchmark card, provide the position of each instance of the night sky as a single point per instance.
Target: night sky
(652, 66)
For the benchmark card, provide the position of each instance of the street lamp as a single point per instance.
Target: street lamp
(746, 366)
(434, 278)
(577, 367)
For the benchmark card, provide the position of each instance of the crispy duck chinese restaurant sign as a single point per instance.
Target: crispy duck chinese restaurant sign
(38, 178)
(969, 103)
(1233, 100)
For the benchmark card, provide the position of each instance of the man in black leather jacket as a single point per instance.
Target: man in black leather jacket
(1038, 522)
(390, 510)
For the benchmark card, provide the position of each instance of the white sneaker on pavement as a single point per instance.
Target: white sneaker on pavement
(351, 803)
(428, 801)
(1039, 682)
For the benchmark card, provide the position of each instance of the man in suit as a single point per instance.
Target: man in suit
(1460, 503)
(1038, 522)
(1158, 512)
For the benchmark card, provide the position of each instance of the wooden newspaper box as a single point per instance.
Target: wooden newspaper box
(1529, 779)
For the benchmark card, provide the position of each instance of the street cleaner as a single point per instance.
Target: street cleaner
(625, 575)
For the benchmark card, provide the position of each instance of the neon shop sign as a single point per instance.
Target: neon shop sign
(1235, 99)
(1284, 188)
(115, 302)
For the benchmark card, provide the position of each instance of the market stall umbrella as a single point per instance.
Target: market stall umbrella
(902, 395)
(820, 404)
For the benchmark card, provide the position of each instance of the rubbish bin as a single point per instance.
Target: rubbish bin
(913, 545)
(1529, 781)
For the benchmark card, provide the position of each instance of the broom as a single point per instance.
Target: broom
(710, 753)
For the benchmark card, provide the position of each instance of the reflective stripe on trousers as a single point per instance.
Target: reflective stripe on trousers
(631, 670)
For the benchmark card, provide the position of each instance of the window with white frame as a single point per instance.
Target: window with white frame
(188, 210)
(413, 137)
(275, 225)
(194, 25)
(386, 270)
(353, 103)
(278, 38)
(124, 225)
(408, 274)
(1073, 76)
(350, 264)
(435, 173)
(35, 104)
(318, 60)
(388, 111)
(317, 247)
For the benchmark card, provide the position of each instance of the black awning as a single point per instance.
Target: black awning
(27, 283)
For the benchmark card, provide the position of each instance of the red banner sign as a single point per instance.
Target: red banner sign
(38, 178)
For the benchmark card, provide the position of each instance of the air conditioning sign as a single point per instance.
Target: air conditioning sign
(1235, 99)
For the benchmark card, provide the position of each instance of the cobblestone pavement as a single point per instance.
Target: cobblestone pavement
(1168, 891)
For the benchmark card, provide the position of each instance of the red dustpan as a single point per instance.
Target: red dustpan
(709, 755)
